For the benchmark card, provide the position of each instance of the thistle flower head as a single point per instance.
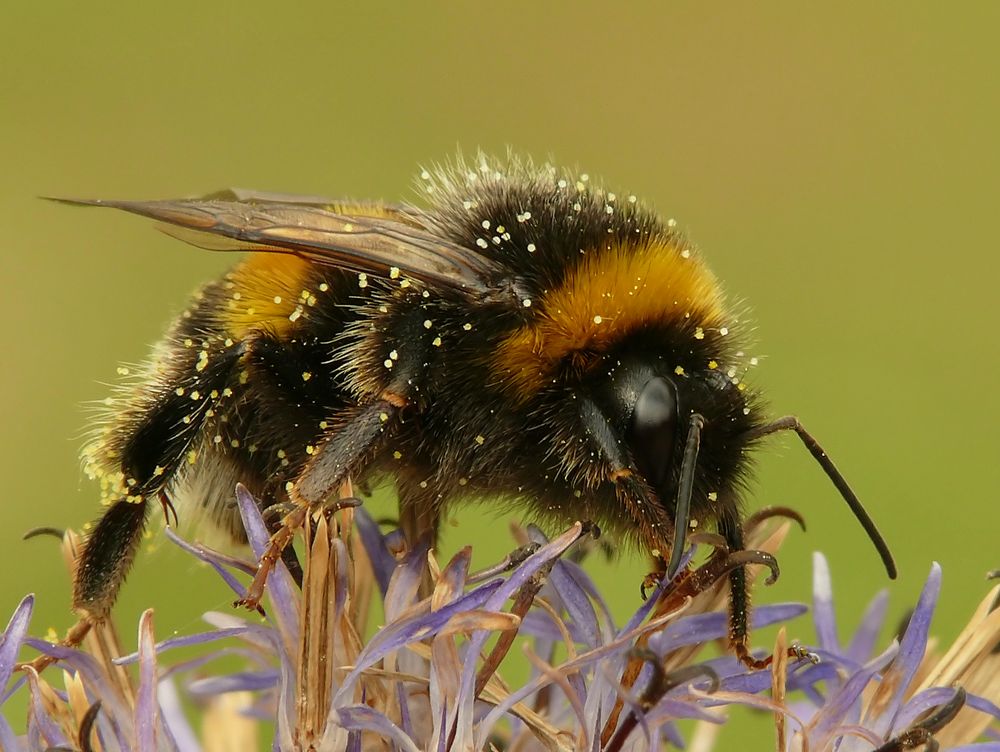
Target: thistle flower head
(430, 678)
(856, 699)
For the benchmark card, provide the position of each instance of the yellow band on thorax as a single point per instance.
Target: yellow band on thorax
(609, 295)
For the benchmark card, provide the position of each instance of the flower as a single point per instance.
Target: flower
(856, 700)
(429, 677)
(98, 698)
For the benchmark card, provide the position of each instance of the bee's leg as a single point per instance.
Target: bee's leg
(345, 452)
(107, 556)
(356, 434)
(150, 451)
(731, 530)
(101, 568)
(686, 585)
(273, 517)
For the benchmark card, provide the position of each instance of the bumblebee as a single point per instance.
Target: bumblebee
(530, 338)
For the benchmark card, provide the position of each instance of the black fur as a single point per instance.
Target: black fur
(105, 561)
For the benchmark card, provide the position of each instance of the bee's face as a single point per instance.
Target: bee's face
(651, 410)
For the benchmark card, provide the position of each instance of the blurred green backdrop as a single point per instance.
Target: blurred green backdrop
(838, 165)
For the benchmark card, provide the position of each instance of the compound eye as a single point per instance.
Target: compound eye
(653, 430)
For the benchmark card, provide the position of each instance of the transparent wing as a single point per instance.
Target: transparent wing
(356, 237)
(338, 205)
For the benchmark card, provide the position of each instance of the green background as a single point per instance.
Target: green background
(838, 166)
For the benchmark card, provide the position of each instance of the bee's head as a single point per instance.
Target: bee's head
(683, 434)
(679, 440)
(654, 410)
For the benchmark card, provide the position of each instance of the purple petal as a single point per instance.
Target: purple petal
(13, 636)
(841, 702)
(672, 735)
(284, 725)
(531, 566)
(701, 628)
(270, 642)
(401, 632)
(804, 680)
(578, 606)
(146, 708)
(174, 719)
(538, 623)
(259, 635)
(980, 747)
(383, 562)
(7, 738)
(690, 630)
(280, 586)
(631, 707)
(855, 738)
(911, 651)
(404, 708)
(765, 616)
(199, 638)
(863, 643)
(442, 725)
(454, 575)
(95, 679)
(597, 702)
(735, 678)
(18, 683)
(249, 656)
(517, 695)
(364, 718)
(342, 577)
(837, 659)
(208, 556)
(253, 681)
(257, 534)
(579, 686)
(921, 703)
(983, 704)
(405, 581)
(672, 708)
(554, 590)
(582, 579)
(43, 730)
(824, 615)
(932, 698)
(647, 606)
(815, 699)
(596, 698)
(726, 665)
(164, 731)
(751, 684)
